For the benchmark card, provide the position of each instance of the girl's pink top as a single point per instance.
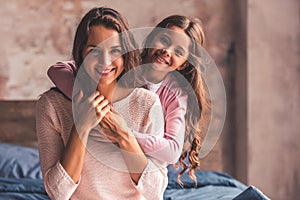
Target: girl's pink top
(174, 102)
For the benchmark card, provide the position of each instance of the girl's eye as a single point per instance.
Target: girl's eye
(179, 52)
(164, 40)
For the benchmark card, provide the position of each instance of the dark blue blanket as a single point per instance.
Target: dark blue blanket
(22, 188)
(211, 185)
(21, 178)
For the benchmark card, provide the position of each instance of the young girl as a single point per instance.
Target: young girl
(68, 154)
(172, 53)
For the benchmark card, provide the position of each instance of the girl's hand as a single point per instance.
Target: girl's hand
(89, 112)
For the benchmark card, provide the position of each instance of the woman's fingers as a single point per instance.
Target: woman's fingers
(78, 97)
(97, 100)
(93, 96)
(102, 111)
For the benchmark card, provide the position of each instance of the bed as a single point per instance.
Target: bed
(21, 177)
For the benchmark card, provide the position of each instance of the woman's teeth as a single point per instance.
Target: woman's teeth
(106, 71)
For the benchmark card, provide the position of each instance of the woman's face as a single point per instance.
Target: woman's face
(169, 50)
(103, 55)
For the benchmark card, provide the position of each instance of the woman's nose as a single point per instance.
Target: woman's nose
(104, 59)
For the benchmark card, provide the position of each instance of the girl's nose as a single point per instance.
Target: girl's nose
(166, 52)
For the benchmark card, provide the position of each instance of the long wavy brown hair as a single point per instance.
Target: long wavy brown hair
(109, 18)
(197, 98)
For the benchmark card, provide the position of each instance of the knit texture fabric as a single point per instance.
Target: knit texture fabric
(104, 174)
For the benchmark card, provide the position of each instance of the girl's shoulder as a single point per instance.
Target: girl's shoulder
(174, 84)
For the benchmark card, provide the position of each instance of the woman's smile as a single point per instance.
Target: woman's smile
(106, 72)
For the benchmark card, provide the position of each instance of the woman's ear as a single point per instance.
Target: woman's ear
(184, 65)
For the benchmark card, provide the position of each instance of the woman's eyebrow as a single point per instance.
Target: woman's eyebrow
(116, 46)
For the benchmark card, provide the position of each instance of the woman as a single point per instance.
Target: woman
(68, 150)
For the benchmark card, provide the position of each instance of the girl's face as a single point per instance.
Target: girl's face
(169, 50)
(103, 55)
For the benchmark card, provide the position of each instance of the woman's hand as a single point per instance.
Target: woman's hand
(115, 127)
(89, 112)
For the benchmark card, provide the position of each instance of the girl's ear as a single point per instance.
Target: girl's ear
(184, 65)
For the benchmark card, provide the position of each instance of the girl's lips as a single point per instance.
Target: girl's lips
(161, 60)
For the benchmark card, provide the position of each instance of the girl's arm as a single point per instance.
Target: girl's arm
(169, 147)
(62, 74)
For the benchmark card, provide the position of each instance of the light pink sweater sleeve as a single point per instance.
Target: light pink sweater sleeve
(58, 184)
(169, 148)
(62, 74)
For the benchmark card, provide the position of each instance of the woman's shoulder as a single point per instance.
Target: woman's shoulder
(53, 96)
(142, 94)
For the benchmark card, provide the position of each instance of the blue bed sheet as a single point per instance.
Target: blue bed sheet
(211, 185)
(22, 188)
(21, 178)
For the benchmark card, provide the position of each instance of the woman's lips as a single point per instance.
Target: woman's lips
(106, 72)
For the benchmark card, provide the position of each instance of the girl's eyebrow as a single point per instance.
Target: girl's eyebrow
(169, 37)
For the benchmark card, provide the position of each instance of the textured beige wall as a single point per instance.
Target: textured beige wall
(35, 34)
(274, 97)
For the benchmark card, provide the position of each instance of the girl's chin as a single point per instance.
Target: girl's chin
(158, 66)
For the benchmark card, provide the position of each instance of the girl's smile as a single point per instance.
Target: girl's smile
(160, 59)
(169, 49)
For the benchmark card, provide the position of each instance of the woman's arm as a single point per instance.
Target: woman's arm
(62, 154)
(115, 128)
(149, 178)
(62, 74)
(57, 182)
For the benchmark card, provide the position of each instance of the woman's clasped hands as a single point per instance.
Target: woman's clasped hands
(94, 110)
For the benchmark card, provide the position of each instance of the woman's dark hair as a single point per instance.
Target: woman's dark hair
(197, 98)
(109, 18)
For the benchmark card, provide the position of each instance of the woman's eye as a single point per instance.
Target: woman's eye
(116, 51)
(95, 51)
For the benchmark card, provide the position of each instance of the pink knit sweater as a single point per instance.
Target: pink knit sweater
(104, 174)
